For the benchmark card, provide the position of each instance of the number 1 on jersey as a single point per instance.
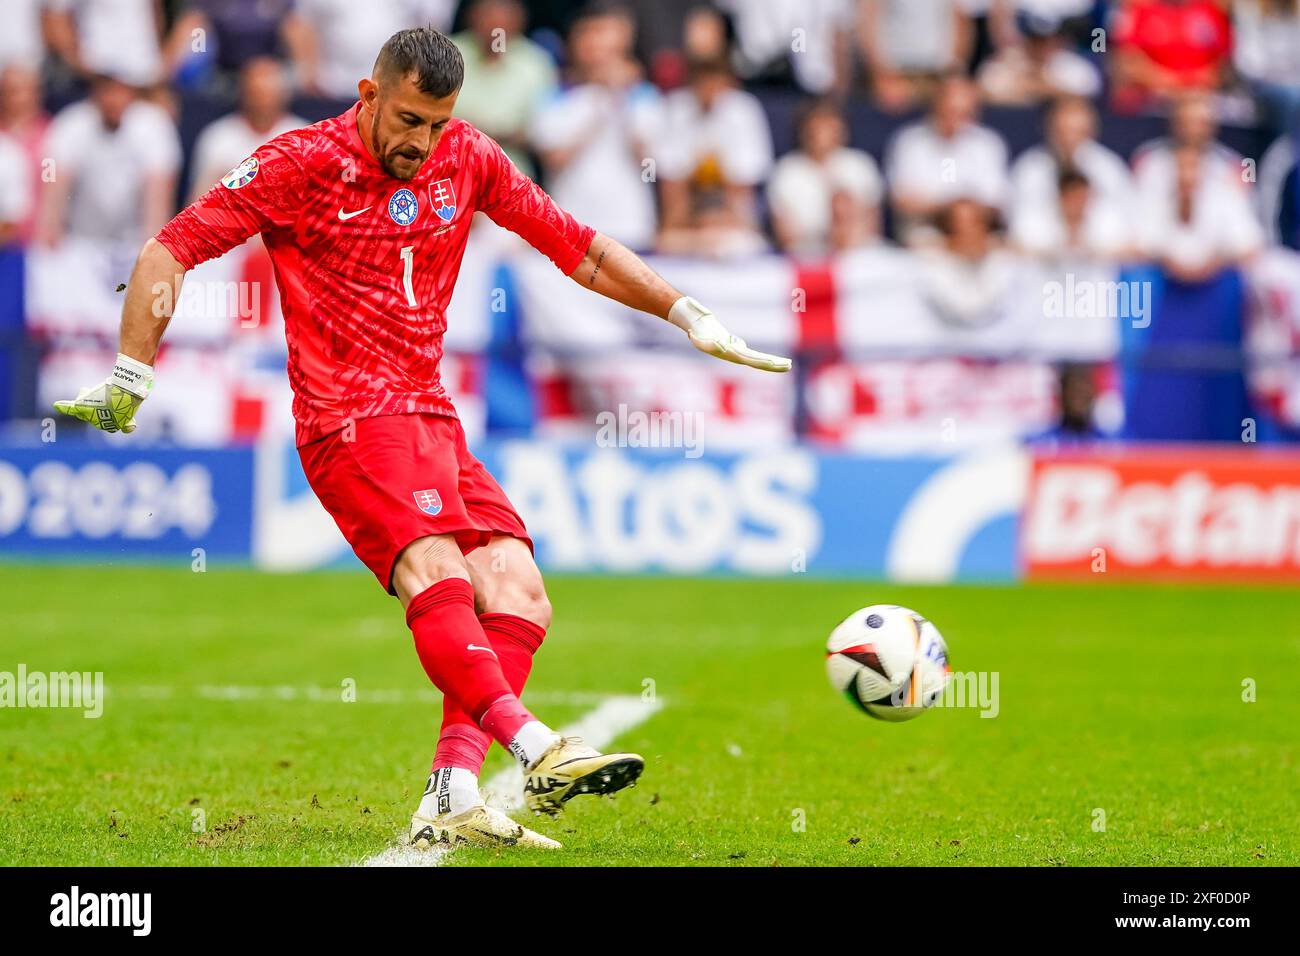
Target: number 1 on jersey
(408, 267)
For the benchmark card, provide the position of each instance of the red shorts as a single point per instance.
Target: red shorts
(396, 478)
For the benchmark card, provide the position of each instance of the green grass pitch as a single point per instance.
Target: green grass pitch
(1119, 700)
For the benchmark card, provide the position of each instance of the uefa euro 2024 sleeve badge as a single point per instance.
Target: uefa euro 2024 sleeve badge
(403, 207)
(241, 175)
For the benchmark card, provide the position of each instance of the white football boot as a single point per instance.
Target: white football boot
(478, 826)
(571, 768)
(453, 813)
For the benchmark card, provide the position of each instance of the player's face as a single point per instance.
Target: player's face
(406, 124)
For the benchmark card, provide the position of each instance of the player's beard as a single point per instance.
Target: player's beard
(408, 170)
(388, 161)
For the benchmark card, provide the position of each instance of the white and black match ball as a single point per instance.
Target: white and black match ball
(889, 661)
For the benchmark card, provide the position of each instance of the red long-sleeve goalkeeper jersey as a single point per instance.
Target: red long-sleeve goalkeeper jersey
(366, 263)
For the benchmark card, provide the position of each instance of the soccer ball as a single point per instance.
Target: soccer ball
(889, 661)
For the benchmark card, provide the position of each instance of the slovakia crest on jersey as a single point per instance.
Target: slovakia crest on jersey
(444, 199)
(403, 207)
(428, 501)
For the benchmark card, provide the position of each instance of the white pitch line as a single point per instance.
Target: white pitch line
(311, 692)
(600, 727)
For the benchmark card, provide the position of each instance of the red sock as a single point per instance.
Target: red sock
(502, 719)
(515, 640)
(459, 659)
(460, 742)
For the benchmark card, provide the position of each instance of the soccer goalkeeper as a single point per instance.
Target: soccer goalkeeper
(365, 217)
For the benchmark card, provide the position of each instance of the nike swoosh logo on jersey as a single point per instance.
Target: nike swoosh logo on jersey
(475, 647)
(344, 215)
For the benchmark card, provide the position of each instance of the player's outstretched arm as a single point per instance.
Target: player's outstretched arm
(613, 270)
(151, 297)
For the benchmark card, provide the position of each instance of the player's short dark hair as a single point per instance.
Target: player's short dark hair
(437, 64)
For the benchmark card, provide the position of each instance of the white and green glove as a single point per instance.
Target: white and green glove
(709, 336)
(110, 406)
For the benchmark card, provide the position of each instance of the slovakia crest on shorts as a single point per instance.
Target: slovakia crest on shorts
(444, 199)
(403, 207)
(428, 501)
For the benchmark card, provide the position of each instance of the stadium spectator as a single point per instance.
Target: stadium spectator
(671, 33)
(1008, 14)
(714, 151)
(333, 42)
(711, 230)
(1070, 140)
(15, 191)
(999, 25)
(824, 195)
(22, 39)
(1266, 52)
(1278, 191)
(805, 44)
(113, 37)
(704, 37)
(945, 157)
(607, 140)
(234, 33)
(262, 115)
(1197, 226)
(1075, 228)
(1071, 143)
(1165, 46)
(1039, 66)
(907, 45)
(1076, 401)
(1192, 124)
(703, 33)
(594, 135)
(24, 121)
(506, 76)
(967, 277)
(114, 159)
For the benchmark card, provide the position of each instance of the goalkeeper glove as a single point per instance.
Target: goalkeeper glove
(708, 335)
(110, 406)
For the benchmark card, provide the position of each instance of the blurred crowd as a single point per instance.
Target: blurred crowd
(647, 118)
(711, 128)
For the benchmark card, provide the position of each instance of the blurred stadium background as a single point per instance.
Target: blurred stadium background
(1037, 260)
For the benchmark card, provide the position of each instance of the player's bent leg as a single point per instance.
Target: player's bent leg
(515, 613)
(432, 580)
(512, 604)
(425, 562)
(508, 584)
(514, 633)
(507, 581)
